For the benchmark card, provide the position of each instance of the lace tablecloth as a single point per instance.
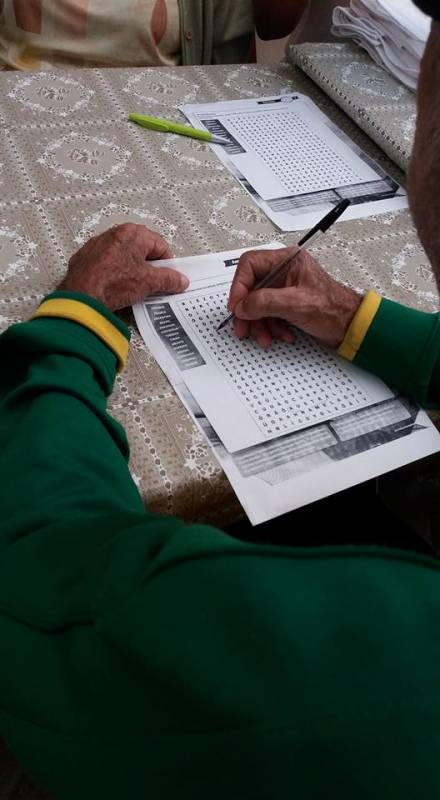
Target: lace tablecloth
(71, 166)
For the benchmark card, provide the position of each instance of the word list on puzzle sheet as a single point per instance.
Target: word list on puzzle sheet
(279, 390)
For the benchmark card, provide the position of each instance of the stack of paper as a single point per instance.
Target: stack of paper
(394, 33)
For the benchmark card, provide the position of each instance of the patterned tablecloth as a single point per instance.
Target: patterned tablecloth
(71, 166)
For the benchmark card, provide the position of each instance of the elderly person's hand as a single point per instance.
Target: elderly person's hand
(113, 268)
(305, 296)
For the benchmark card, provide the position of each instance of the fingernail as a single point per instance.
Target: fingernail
(184, 282)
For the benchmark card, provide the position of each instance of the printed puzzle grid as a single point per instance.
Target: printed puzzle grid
(284, 388)
(299, 157)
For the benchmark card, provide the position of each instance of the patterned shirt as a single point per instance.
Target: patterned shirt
(36, 34)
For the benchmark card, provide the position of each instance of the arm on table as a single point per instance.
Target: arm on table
(77, 553)
(75, 539)
(399, 344)
(139, 652)
(146, 654)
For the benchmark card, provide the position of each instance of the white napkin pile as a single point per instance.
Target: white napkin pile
(394, 33)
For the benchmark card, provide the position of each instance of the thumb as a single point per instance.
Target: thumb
(165, 280)
(263, 303)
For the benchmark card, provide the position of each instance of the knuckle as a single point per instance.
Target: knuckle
(247, 259)
(121, 232)
(250, 255)
(247, 256)
(260, 300)
(307, 260)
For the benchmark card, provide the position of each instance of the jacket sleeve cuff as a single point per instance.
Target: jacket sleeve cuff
(398, 344)
(359, 326)
(91, 314)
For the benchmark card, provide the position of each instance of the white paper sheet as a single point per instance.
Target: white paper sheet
(287, 471)
(294, 162)
(393, 32)
(250, 395)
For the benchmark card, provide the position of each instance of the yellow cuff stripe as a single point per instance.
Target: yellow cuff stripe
(359, 326)
(89, 318)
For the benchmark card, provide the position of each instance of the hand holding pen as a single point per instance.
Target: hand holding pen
(301, 294)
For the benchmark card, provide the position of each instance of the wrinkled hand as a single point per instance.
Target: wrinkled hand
(304, 296)
(113, 268)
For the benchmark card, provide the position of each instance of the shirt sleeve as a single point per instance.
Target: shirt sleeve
(139, 652)
(62, 454)
(398, 344)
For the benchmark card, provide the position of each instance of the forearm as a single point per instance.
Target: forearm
(399, 344)
(275, 20)
(62, 455)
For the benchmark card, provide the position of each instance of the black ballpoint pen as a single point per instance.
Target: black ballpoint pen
(321, 227)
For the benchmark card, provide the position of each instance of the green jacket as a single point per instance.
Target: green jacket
(144, 658)
(216, 31)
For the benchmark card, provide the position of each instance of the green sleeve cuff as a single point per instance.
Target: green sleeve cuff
(93, 303)
(359, 325)
(50, 333)
(90, 314)
(402, 347)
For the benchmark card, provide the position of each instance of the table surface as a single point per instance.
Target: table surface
(71, 166)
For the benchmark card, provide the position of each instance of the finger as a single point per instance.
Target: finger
(241, 328)
(288, 275)
(163, 280)
(252, 267)
(150, 243)
(265, 303)
(260, 332)
(157, 247)
(280, 330)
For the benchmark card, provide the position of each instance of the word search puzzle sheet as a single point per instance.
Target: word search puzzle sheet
(289, 425)
(294, 162)
(249, 395)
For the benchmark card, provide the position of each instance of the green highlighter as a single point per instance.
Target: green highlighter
(166, 126)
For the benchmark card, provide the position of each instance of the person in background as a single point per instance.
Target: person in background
(303, 20)
(142, 657)
(40, 34)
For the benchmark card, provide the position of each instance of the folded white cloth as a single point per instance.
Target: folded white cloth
(393, 32)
